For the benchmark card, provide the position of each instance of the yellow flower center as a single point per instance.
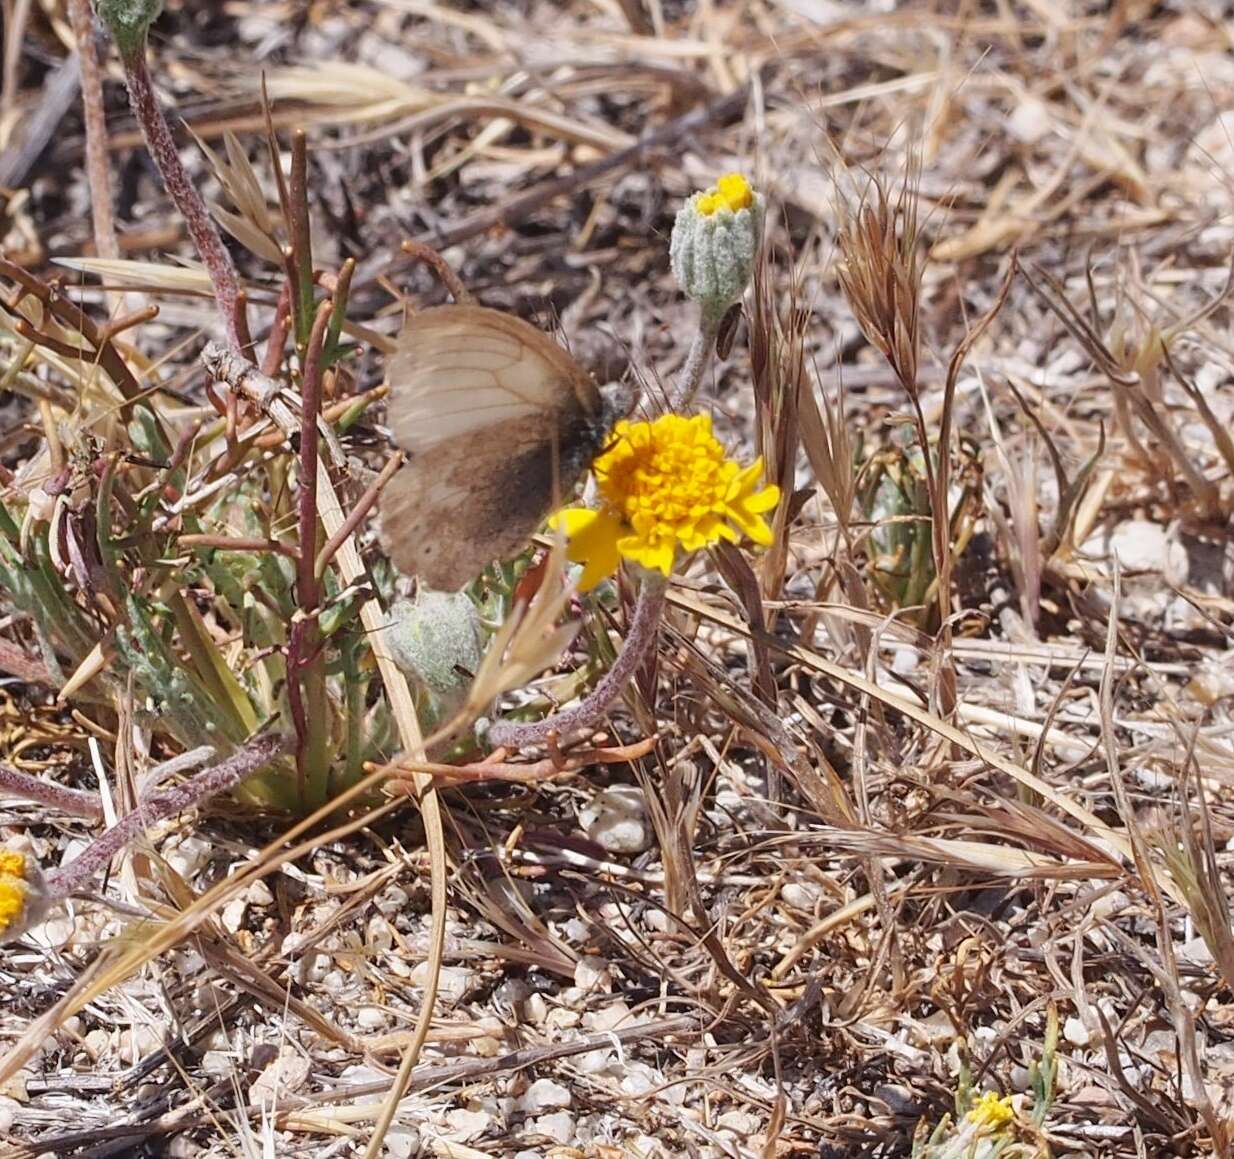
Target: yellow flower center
(13, 887)
(666, 487)
(992, 1111)
(665, 478)
(731, 192)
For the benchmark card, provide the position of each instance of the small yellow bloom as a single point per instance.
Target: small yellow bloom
(664, 486)
(992, 1112)
(14, 887)
(731, 192)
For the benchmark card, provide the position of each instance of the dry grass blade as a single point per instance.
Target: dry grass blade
(1113, 843)
(910, 837)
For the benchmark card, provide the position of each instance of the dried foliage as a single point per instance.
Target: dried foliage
(929, 805)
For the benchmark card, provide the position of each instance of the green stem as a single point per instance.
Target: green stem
(697, 361)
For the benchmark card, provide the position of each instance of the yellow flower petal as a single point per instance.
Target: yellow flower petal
(731, 192)
(14, 887)
(592, 539)
(654, 555)
(765, 500)
(735, 191)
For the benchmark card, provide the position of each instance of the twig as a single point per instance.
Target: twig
(358, 512)
(59, 91)
(423, 252)
(98, 173)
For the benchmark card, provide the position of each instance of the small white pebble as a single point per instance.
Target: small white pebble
(452, 985)
(802, 895)
(639, 1079)
(378, 935)
(187, 855)
(741, 1123)
(544, 1095)
(536, 1010)
(558, 1126)
(97, 1043)
(593, 974)
(218, 1063)
(402, 1143)
(135, 1044)
(466, 1124)
(259, 894)
(562, 1019)
(905, 661)
(609, 1017)
(616, 820)
(595, 1061)
(233, 914)
(1075, 1032)
(334, 982)
(576, 930)
(392, 900)
(370, 1018)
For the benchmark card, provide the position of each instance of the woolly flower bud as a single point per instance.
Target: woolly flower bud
(128, 21)
(437, 637)
(715, 239)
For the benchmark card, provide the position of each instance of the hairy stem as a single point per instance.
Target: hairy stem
(697, 361)
(640, 640)
(77, 802)
(78, 875)
(197, 219)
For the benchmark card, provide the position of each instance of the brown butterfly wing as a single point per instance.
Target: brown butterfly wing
(498, 423)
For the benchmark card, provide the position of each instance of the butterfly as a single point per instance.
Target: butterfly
(498, 423)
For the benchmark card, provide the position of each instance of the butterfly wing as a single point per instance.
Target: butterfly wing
(498, 423)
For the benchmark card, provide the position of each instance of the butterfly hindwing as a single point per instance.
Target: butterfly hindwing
(445, 516)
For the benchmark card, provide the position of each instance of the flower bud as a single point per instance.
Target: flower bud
(128, 21)
(439, 638)
(715, 240)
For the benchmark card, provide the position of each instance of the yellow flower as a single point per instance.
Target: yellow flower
(731, 192)
(14, 887)
(992, 1112)
(664, 485)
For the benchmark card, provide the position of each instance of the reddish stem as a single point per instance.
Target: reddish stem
(15, 783)
(640, 640)
(304, 687)
(197, 219)
(77, 876)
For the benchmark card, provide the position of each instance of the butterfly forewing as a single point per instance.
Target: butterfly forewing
(461, 369)
(498, 423)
